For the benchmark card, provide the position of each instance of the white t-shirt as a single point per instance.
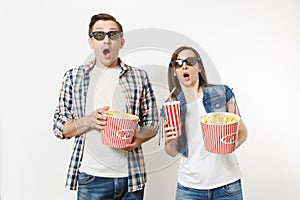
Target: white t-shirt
(204, 170)
(98, 159)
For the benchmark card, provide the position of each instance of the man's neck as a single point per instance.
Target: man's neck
(114, 64)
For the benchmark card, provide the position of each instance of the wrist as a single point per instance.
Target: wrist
(77, 133)
(80, 125)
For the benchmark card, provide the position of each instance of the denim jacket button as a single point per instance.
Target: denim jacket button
(217, 105)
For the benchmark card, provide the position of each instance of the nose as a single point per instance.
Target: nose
(184, 66)
(106, 39)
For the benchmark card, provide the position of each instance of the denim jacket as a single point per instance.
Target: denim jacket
(215, 98)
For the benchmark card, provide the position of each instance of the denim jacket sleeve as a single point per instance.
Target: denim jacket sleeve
(215, 98)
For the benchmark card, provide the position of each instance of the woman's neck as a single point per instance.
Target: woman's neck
(191, 94)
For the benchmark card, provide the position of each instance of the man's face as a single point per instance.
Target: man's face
(106, 50)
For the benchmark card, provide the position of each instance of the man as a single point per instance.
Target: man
(88, 91)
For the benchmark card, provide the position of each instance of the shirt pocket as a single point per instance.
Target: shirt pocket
(215, 103)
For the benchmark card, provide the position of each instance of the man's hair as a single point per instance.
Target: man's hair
(104, 17)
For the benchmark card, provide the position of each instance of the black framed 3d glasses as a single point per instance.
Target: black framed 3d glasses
(100, 35)
(190, 61)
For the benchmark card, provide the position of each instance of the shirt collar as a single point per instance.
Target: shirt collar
(88, 67)
(123, 66)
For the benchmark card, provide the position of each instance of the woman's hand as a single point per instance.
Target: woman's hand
(170, 140)
(242, 132)
(170, 133)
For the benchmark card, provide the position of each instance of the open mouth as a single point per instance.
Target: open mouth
(186, 75)
(106, 51)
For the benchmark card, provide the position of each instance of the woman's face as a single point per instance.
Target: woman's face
(186, 74)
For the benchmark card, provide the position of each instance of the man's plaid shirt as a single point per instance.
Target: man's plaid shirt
(140, 101)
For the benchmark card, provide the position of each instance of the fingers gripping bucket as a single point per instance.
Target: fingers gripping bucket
(220, 138)
(119, 130)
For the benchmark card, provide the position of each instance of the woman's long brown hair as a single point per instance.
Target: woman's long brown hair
(173, 80)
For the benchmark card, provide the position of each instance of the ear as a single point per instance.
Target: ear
(122, 42)
(90, 42)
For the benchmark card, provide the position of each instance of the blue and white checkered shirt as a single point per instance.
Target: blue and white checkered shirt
(140, 101)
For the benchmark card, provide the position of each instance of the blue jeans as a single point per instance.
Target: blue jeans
(232, 191)
(98, 188)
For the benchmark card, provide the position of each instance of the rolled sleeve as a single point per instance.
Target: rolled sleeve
(229, 93)
(149, 106)
(63, 111)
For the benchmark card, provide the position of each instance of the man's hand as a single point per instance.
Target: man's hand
(134, 144)
(96, 120)
(145, 134)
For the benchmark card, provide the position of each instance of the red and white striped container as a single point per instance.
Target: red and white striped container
(119, 130)
(172, 113)
(220, 138)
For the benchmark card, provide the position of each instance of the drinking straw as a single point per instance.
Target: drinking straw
(169, 97)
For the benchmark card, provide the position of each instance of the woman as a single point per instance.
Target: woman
(201, 175)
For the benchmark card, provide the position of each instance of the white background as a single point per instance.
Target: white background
(255, 45)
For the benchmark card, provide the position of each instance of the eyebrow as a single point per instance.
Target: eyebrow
(186, 58)
(101, 29)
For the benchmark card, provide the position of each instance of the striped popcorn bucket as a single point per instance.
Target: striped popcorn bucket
(172, 113)
(119, 129)
(220, 138)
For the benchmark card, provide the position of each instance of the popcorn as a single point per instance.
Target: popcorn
(119, 114)
(219, 118)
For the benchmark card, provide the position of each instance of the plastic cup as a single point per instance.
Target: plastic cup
(172, 113)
